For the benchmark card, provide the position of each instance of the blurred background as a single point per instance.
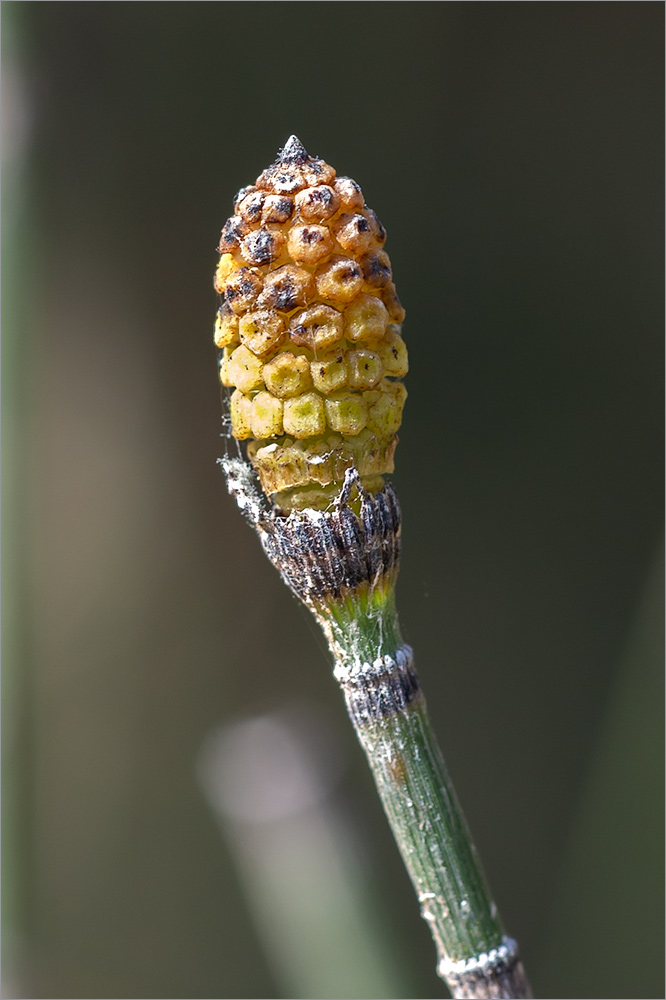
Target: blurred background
(184, 800)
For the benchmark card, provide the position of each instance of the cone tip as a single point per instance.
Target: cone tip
(293, 151)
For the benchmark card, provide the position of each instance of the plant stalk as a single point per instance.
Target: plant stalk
(343, 565)
(387, 709)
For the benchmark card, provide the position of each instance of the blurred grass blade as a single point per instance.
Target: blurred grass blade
(297, 858)
(17, 304)
(614, 868)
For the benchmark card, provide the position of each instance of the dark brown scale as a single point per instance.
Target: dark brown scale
(287, 182)
(359, 224)
(376, 226)
(286, 288)
(376, 269)
(242, 289)
(243, 193)
(284, 296)
(233, 231)
(277, 209)
(249, 208)
(225, 311)
(261, 247)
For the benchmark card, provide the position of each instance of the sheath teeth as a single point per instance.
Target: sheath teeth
(308, 329)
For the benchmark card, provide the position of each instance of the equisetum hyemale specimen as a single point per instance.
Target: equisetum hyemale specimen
(312, 358)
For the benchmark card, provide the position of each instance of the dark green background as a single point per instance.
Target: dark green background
(514, 153)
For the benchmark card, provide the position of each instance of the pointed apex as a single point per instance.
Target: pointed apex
(293, 151)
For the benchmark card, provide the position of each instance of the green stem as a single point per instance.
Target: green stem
(388, 711)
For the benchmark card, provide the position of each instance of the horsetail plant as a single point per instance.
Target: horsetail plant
(309, 329)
